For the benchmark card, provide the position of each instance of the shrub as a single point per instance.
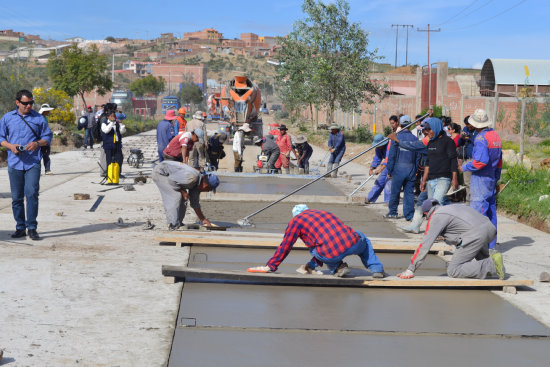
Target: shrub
(281, 115)
(507, 144)
(363, 135)
(387, 130)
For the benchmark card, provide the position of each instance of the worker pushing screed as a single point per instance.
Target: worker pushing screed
(329, 241)
(468, 230)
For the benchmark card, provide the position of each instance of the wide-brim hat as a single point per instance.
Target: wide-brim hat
(45, 107)
(300, 139)
(170, 115)
(198, 115)
(246, 128)
(377, 139)
(283, 127)
(334, 127)
(480, 119)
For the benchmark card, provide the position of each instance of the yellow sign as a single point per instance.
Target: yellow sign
(526, 70)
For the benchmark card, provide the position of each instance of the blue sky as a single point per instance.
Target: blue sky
(471, 30)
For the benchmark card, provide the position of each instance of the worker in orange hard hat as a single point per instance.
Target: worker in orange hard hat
(180, 123)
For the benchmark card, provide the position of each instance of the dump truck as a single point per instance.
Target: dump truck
(240, 102)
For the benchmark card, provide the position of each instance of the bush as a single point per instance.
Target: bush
(281, 115)
(387, 130)
(363, 135)
(507, 144)
(545, 143)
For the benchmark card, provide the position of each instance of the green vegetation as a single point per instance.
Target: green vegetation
(63, 113)
(537, 122)
(147, 85)
(521, 196)
(135, 125)
(77, 72)
(437, 111)
(325, 61)
(190, 93)
(11, 82)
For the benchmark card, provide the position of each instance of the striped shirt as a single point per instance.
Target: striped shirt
(319, 229)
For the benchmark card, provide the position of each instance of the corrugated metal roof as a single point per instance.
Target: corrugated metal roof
(512, 71)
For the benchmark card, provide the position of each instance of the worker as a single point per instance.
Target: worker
(469, 231)
(238, 146)
(215, 149)
(197, 155)
(329, 241)
(285, 146)
(111, 132)
(401, 167)
(181, 123)
(165, 132)
(337, 148)
(274, 129)
(179, 147)
(378, 167)
(304, 154)
(486, 167)
(272, 151)
(178, 183)
(45, 111)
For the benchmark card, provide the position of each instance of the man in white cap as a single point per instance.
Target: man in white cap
(485, 166)
(469, 231)
(238, 146)
(45, 110)
(197, 155)
(329, 241)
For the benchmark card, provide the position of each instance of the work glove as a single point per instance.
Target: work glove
(407, 274)
(260, 269)
(304, 269)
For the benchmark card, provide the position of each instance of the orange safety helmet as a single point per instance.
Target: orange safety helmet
(182, 110)
(204, 114)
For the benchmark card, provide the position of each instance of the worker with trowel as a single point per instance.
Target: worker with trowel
(468, 230)
(177, 183)
(328, 240)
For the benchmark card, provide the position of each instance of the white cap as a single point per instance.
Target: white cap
(45, 107)
(298, 209)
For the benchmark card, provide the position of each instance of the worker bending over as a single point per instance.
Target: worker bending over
(177, 183)
(468, 230)
(328, 240)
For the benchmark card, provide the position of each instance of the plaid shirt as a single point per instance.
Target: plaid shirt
(319, 229)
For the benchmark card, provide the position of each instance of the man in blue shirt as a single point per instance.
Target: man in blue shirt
(165, 132)
(337, 148)
(22, 132)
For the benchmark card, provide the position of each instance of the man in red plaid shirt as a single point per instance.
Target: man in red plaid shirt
(328, 240)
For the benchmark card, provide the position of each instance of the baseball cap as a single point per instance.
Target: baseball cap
(429, 204)
(404, 120)
(213, 181)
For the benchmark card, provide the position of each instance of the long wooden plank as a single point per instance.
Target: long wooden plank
(261, 242)
(181, 272)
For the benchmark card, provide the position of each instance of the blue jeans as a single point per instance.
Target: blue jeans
(361, 248)
(88, 138)
(336, 157)
(437, 188)
(402, 179)
(381, 183)
(46, 158)
(25, 184)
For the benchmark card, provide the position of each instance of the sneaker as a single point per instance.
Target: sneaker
(378, 275)
(499, 264)
(19, 233)
(342, 270)
(49, 172)
(390, 216)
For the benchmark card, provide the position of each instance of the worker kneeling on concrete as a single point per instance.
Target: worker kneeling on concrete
(177, 183)
(468, 230)
(328, 240)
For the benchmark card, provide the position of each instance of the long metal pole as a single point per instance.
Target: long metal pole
(362, 184)
(245, 222)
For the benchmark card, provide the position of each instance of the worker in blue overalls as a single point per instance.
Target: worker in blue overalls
(337, 148)
(485, 166)
(378, 166)
(401, 166)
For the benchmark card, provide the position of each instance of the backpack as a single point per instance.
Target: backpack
(82, 125)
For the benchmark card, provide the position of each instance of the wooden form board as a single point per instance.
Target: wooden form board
(182, 272)
(271, 240)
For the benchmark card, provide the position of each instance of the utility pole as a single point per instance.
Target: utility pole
(396, 38)
(407, 47)
(429, 65)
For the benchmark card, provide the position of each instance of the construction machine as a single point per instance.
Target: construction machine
(240, 102)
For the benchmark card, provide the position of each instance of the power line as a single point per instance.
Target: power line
(460, 12)
(490, 18)
(474, 10)
(396, 40)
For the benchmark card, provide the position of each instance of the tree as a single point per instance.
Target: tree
(147, 86)
(110, 39)
(326, 57)
(77, 72)
(11, 81)
(190, 93)
(63, 113)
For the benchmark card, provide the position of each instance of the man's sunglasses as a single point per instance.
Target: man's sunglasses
(27, 103)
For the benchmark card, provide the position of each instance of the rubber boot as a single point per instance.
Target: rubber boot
(287, 171)
(416, 221)
(329, 167)
(335, 172)
(301, 171)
